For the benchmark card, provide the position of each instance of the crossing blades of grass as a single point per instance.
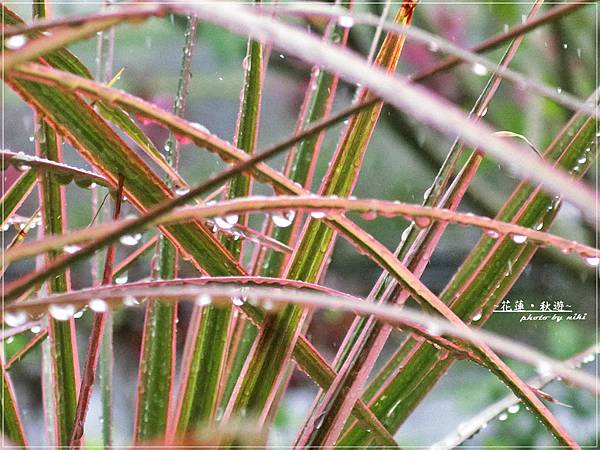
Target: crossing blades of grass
(263, 372)
(473, 288)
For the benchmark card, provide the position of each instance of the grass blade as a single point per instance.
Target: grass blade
(208, 338)
(12, 425)
(61, 333)
(17, 193)
(262, 374)
(157, 357)
(282, 291)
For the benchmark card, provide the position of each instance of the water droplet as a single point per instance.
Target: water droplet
(493, 234)
(519, 238)
(346, 21)
(130, 300)
(283, 220)
(433, 330)
(317, 214)
(502, 417)
(433, 46)
(71, 249)
(227, 222)
(61, 312)
(477, 316)
(203, 300)
(282, 56)
(592, 261)
(121, 279)
(559, 90)
(544, 369)
(35, 329)
(405, 234)
(479, 69)
(582, 160)
(200, 127)
(130, 239)
(15, 42)
(237, 301)
(182, 190)
(98, 305)
(514, 409)
(15, 319)
(589, 358)
(565, 46)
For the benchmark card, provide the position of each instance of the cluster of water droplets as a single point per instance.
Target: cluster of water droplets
(130, 240)
(20, 222)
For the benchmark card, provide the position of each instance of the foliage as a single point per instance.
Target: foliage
(241, 274)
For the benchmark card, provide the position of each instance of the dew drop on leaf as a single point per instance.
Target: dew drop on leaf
(514, 409)
(346, 22)
(129, 300)
(71, 249)
(61, 312)
(203, 300)
(182, 190)
(493, 234)
(227, 222)
(284, 219)
(502, 417)
(98, 305)
(519, 238)
(479, 69)
(15, 42)
(317, 214)
(592, 261)
(422, 221)
(121, 279)
(130, 239)
(15, 319)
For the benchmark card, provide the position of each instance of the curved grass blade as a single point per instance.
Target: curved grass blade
(282, 291)
(403, 95)
(64, 173)
(212, 143)
(329, 207)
